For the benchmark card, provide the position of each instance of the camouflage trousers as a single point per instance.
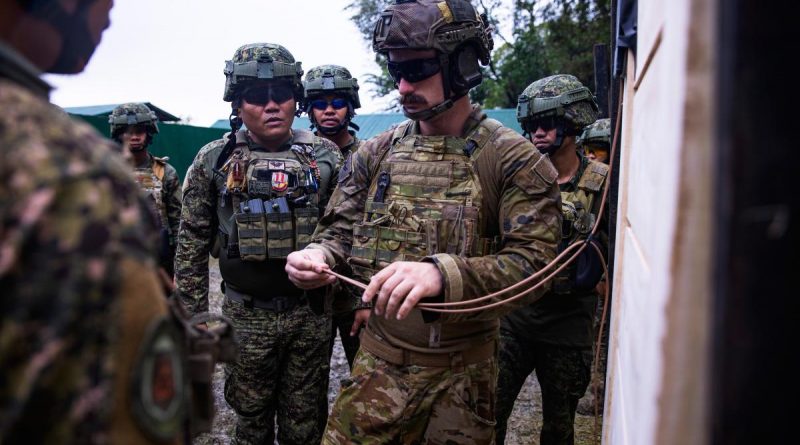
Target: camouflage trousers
(383, 403)
(282, 372)
(342, 323)
(563, 375)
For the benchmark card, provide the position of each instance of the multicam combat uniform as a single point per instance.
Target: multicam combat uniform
(483, 209)
(78, 278)
(159, 180)
(347, 299)
(283, 365)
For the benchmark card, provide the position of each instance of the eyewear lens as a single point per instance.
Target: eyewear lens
(414, 70)
(263, 95)
(322, 105)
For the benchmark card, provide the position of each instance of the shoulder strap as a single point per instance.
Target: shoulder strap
(482, 133)
(593, 177)
(400, 131)
(159, 167)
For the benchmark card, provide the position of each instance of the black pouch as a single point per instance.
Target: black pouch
(306, 219)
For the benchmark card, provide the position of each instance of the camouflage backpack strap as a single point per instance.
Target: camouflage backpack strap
(400, 131)
(481, 135)
(159, 167)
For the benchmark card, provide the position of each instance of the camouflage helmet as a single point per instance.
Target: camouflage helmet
(560, 96)
(331, 79)
(461, 37)
(432, 24)
(132, 114)
(261, 62)
(598, 133)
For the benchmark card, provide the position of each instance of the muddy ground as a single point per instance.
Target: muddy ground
(523, 426)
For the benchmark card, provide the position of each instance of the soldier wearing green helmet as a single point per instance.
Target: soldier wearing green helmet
(554, 335)
(596, 140)
(251, 198)
(447, 207)
(134, 125)
(331, 98)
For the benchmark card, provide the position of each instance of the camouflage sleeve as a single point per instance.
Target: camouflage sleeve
(334, 234)
(530, 223)
(73, 221)
(332, 157)
(172, 201)
(198, 228)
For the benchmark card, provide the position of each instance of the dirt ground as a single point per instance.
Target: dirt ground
(523, 426)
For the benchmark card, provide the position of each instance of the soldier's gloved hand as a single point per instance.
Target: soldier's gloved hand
(306, 269)
(401, 285)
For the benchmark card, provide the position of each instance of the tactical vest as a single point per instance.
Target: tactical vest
(275, 199)
(578, 207)
(151, 180)
(424, 198)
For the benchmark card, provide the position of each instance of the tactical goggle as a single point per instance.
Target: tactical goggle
(322, 104)
(264, 94)
(414, 70)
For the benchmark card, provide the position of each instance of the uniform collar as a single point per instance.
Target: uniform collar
(572, 185)
(16, 68)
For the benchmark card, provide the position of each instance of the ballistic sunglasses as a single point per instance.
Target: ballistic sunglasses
(322, 104)
(414, 70)
(263, 94)
(546, 124)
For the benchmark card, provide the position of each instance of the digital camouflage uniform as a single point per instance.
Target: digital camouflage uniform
(79, 280)
(283, 366)
(553, 336)
(320, 82)
(157, 178)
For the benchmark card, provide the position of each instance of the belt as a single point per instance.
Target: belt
(405, 357)
(272, 304)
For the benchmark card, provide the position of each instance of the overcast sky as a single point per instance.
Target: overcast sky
(172, 52)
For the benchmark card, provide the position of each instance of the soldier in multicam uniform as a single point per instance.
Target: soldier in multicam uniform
(554, 335)
(331, 98)
(448, 206)
(133, 125)
(81, 297)
(596, 140)
(251, 198)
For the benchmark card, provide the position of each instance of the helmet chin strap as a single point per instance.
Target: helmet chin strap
(557, 143)
(430, 113)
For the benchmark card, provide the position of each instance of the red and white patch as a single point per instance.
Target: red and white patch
(280, 181)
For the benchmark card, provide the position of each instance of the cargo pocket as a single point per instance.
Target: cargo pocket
(306, 219)
(279, 234)
(251, 231)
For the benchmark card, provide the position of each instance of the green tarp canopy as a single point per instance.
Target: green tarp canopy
(180, 142)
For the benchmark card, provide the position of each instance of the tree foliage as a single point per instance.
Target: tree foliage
(548, 37)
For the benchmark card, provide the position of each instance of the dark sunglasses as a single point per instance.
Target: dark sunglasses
(414, 70)
(263, 95)
(322, 104)
(546, 124)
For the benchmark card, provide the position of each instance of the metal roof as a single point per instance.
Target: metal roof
(372, 124)
(105, 110)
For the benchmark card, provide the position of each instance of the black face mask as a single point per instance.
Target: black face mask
(77, 44)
